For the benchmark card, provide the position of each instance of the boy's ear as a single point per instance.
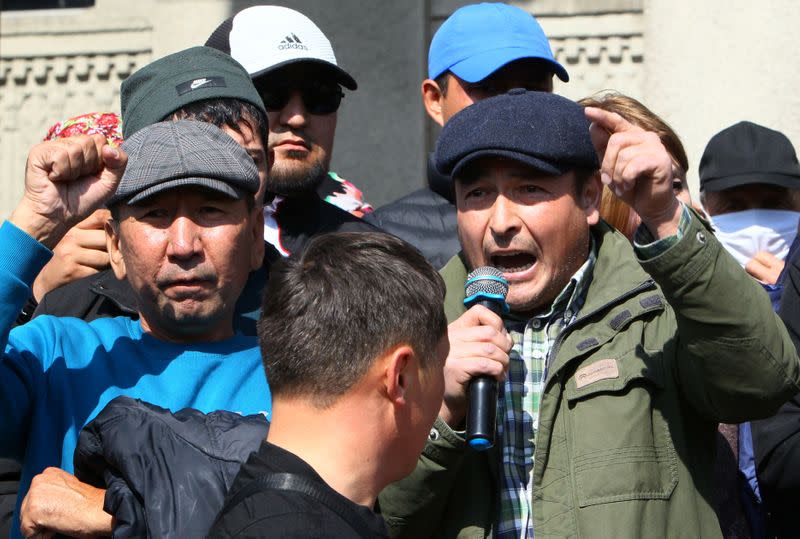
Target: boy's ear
(257, 247)
(432, 99)
(397, 377)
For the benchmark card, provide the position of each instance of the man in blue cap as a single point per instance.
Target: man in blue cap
(481, 50)
(615, 363)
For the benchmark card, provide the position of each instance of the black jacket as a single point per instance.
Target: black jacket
(166, 474)
(299, 219)
(425, 218)
(9, 483)
(776, 440)
(312, 510)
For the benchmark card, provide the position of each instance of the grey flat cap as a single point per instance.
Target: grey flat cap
(166, 155)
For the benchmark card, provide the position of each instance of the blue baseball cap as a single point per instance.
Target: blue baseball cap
(477, 40)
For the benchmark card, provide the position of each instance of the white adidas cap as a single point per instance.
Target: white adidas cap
(264, 38)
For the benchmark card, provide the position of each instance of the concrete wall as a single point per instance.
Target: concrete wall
(709, 65)
(699, 66)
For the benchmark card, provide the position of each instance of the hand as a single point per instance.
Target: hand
(66, 180)
(58, 503)
(80, 253)
(637, 168)
(479, 346)
(765, 267)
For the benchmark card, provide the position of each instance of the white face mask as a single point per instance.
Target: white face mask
(745, 233)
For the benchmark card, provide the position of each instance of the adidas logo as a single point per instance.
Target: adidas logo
(292, 42)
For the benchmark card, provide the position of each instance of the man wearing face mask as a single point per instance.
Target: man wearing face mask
(750, 188)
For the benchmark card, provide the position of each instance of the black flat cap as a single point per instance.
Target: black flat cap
(545, 131)
(747, 153)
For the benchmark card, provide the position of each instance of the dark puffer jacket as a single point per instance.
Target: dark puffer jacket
(166, 474)
(776, 440)
(425, 218)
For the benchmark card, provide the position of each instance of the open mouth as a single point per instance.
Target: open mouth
(513, 262)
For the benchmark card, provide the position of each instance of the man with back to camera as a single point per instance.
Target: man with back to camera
(186, 233)
(352, 408)
(294, 68)
(481, 50)
(621, 359)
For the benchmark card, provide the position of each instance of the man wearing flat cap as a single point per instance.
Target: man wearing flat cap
(615, 363)
(480, 50)
(185, 232)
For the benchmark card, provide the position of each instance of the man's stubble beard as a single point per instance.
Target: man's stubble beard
(294, 181)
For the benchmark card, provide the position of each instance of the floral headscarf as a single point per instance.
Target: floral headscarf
(104, 123)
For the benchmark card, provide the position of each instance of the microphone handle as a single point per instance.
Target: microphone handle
(482, 401)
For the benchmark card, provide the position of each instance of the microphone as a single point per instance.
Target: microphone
(485, 286)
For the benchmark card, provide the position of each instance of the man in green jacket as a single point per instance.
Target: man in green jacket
(616, 361)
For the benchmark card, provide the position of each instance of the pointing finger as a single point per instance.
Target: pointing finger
(610, 121)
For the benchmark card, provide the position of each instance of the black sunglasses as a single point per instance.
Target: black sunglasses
(317, 98)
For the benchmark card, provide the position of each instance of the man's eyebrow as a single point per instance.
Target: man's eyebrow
(469, 178)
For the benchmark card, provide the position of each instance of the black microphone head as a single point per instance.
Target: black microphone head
(486, 284)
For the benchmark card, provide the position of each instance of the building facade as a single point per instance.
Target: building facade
(702, 69)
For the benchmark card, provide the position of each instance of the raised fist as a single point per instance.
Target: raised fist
(65, 181)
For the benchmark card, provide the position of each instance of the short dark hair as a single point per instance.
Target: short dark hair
(441, 82)
(346, 299)
(225, 112)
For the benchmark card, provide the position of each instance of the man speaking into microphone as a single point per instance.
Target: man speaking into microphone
(615, 361)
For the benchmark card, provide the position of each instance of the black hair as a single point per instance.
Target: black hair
(346, 299)
(225, 112)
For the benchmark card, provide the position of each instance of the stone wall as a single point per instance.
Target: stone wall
(700, 67)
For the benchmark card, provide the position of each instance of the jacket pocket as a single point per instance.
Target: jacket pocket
(619, 439)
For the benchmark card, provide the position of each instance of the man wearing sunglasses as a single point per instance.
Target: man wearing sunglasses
(295, 71)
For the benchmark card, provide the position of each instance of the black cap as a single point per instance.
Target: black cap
(545, 131)
(169, 83)
(748, 153)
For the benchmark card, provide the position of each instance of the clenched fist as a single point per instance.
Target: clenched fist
(65, 181)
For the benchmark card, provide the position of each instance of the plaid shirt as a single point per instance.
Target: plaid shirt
(520, 395)
(518, 403)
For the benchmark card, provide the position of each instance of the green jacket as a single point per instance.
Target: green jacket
(636, 387)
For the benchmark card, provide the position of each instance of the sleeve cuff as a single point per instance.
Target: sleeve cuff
(20, 254)
(647, 247)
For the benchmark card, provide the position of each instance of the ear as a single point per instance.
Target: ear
(270, 159)
(591, 194)
(257, 231)
(398, 376)
(432, 99)
(112, 229)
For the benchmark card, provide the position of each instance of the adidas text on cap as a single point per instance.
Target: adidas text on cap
(264, 38)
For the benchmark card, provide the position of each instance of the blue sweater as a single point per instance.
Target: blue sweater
(56, 374)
